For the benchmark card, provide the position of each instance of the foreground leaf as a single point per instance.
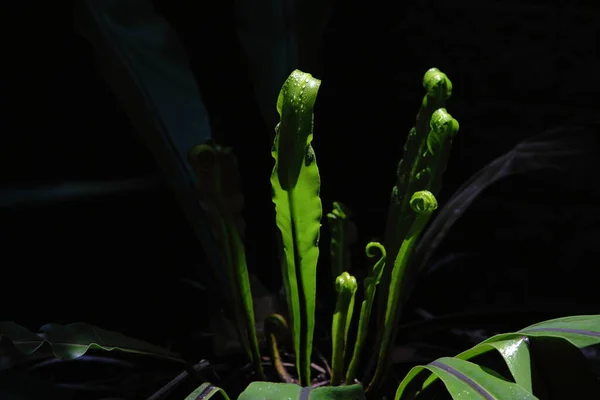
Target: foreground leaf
(271, 391)
(542, 358)
(516, 354)
(465, 380)
(68, 342)
(296, 184)
(580, 330)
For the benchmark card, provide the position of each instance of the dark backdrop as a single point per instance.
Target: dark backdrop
(518, 68)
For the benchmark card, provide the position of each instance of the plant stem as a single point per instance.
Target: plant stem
(370, 283)
(423, 204)
(345, 285)
(274, 326)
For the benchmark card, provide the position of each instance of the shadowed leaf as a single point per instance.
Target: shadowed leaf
(74, 340)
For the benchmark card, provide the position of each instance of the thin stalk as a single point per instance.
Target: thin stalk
(345, 285)
(275, 327)
(370, 283)
(423, 203)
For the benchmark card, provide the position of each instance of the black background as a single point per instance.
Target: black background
(518, 68)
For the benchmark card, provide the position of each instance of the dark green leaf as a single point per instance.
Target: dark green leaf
(465, 380)
(74, 340)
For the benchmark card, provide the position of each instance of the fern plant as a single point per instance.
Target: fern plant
(296, 185)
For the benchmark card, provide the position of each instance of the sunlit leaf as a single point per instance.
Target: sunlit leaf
(290, 391)
(542, 358)
(296, 185)
(465, 380)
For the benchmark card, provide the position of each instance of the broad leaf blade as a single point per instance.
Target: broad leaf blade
(515, 353)
(542, 358)
(580, 330)
(268, 391)
(405, 390)
(458, 374)
(74, 340)
(480, 349)
(348, 392)
(465, 380)
(296, 184)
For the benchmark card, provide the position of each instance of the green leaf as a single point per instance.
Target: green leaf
(542, 358)
(296, 184)
(465, 380)
(349, 392)
(205, 392)
(580, 330)
(271, 391)
(74, 340)
(515, 353)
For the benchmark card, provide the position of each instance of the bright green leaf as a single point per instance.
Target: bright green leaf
(580, 330)
(296, 184)
(547, 347)
(290, 391)
(515, 353)
(465, 380)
